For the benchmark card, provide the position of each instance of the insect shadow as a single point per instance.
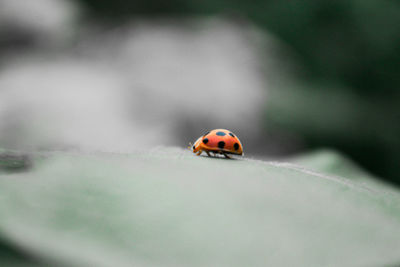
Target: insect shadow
(218, 157)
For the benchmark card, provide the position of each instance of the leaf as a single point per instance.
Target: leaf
(168, 207)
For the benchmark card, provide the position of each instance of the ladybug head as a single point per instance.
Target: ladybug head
(196, 146)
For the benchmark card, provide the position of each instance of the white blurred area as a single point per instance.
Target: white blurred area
(143, 84)
(44, 21)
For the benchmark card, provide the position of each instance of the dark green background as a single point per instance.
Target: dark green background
(347, 91)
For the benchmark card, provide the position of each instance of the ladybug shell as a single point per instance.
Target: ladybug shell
(220, 140)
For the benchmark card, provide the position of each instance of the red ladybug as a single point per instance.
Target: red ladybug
(218, 141)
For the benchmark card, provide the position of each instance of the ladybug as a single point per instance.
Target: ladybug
(218, 141)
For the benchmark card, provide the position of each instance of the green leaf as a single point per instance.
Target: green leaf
(168, 207)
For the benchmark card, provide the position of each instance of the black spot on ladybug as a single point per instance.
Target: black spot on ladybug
(220, 133)
(221, 144)
(236, 146)
(205, 140)
(193, 147)
(231, 134)
(206, 133)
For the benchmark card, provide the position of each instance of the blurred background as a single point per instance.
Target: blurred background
(286, 76)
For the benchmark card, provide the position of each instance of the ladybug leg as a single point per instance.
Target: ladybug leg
(226, 156)
(208, 153)
(198, 153)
